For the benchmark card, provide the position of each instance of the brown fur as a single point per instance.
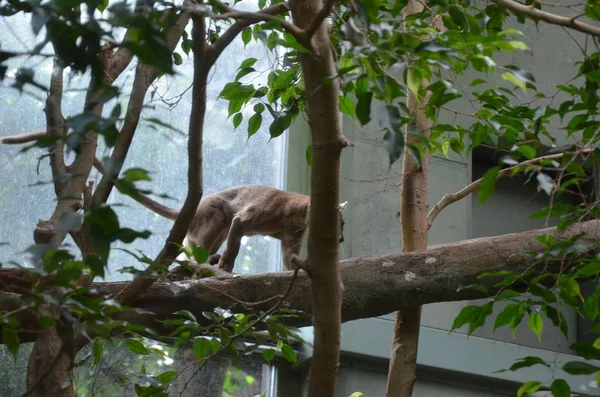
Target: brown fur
(245, 211)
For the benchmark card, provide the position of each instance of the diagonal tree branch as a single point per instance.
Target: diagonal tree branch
(311, 29)
(144, 76)
(254, 17)
(195, 187)
(532, 12)
(22, 138)
(464, 192)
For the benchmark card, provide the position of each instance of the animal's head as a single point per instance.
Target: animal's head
(342, 208)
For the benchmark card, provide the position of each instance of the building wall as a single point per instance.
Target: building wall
(373, 228)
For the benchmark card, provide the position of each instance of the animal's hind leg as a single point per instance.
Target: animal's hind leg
(234, 238)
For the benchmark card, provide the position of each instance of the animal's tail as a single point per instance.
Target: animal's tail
(156, 207)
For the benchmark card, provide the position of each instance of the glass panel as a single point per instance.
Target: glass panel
(229, 158)
(27, 195)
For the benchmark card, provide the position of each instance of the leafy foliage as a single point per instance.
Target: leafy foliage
(436, 59)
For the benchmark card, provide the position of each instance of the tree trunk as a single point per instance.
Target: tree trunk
(49, 367)
(323, 237)
(413, 212)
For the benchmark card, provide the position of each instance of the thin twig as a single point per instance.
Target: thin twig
(39, 160)
(464, 192)
(245, 329)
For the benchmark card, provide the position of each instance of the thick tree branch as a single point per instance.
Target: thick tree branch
(254, 17)
(311, 29)
(231, 33)
(374, 285)
(195, 188)
(532, 12)
(55, 124)
(22, 138)
(464, 192)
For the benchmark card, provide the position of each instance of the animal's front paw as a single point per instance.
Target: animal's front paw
(225, 265)
(214, 259)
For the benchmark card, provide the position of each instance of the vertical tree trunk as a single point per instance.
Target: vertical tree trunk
(323, 238)
(413, 213)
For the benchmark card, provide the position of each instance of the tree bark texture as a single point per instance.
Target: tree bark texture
(322, 106)
(413, 221)
(374, 285)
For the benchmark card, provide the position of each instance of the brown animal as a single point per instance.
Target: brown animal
(245, 211)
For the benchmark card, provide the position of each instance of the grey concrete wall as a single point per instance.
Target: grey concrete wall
(373, 228)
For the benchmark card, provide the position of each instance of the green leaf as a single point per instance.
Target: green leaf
(309, 155)
(542, 292)
(477, 82)
(557, 318)
(347, 106)
(527, 362)
(269, 355)
(11, 340)
(485, 190)
(466, 315)
(248, 63)
(235, 91)
(202, 348)
(254, 124)
(528, 388)
(237, 120)
(519, 77)
(289, 354)
(414, 81)
(591, 307)
(280, 124)
(167, 377)
(177, 60)
(200, 254)
(579, 368)
(363, 107)
(473, 315)
(586, 350)
(560, 388)
(246, 36)
(135, 175)
(536, 324)
(97, 349)
(510, 315)
(136, 346)
(569, 288)
(393, 139)
(356, 394)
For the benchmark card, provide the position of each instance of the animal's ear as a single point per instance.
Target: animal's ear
(308, 208)
(343, 206)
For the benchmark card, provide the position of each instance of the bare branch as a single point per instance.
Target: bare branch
(464, 192)
(226, 38)
(195, 188)
(532, 12)
(22, 138)
(310, 30)
(55, 122)
(255, 17)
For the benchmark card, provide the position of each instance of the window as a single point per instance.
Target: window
(508, 211)
(229, 160)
